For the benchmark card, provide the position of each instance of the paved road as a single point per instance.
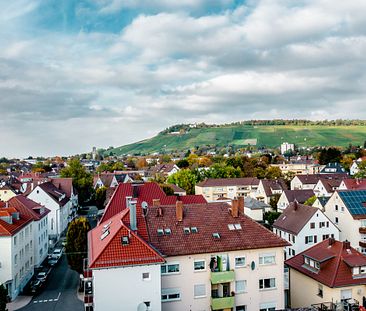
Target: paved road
(59, 293)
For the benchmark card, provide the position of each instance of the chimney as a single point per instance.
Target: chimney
(156, 202)
(179, 210)
(160, 211)
(132, 206)
(295, 205)
(346, 244)
(241, 204)
(331, 241)
(235, 207)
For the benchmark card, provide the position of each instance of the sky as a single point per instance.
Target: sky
(81, 73)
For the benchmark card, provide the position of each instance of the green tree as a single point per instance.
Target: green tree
(270, 217)
(361, 170)
(76, 243)
(100, 197)
(167, 189)
(310, 201)
(185, 179)
(183, 163)
(81, 179)
(3, 298)
(273, 172)
(274, 200)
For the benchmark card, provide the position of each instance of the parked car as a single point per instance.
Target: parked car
(41, 276)
(53, 261)
(57, 253)
(36, 286)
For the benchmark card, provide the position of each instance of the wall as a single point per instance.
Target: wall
(119, 289)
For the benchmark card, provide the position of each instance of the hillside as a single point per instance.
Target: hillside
(243, 135)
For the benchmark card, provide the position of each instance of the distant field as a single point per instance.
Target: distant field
(261, 136)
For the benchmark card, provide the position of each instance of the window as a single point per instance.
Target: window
(167, 231)
(336, 207)
(342, 208)
(160, 232)
(170, 268)
(199, 265)
(241, 308)
(16, 259)
(293, 239)
(309, 239)
(231, 226)
(199, 290)
(239, 262)
(322, 224)
(240, 286)
(194, 229)
(267, 283)
(186, 230)
(146, 276)
(170, 294)
(15, 241)
(320, 290)
(267, 259)
(325, 236)
(312, 225)
(267, 307)
(336, 220)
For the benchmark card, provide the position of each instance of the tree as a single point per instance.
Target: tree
(77, 243)
(100, 197)
(273, 172)
(361, 170)
(274, 200)
(329, 155)
(3, 298)
(141, 163)
(270, 217)
(183, 163)
(167, 189)
(310, 201)
(185, 179)
(81, 179)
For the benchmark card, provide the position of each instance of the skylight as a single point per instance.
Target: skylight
(167, 231)
(216, 235)
(194, 229)
(104, 235)
(231, 227)
(125, 240)
(160, 232)
(186, 230)
(237, 226)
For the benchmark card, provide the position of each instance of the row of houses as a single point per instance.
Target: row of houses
(33, 216)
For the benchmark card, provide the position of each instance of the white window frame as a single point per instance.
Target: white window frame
(244, 290)
(167, 268)
(262, 259)
(241, 265)
(267, 288)
(168, 292)
(194, 291)
(148, 278)
(204, 265)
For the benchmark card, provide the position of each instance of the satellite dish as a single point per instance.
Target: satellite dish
(144, 205)
(142, 307)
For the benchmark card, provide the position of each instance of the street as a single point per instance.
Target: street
(60, 291)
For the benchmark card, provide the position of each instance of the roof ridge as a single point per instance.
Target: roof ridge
(337, 266)
(109, 203)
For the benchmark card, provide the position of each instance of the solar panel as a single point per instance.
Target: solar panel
(354, 201)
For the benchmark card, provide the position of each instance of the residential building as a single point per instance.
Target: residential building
(309, 181)
(6, 192)
(214, 189)
(178, 190)
(59, 204)
(286, 147)
(354, 167)
(39, 214)
(16, 250)
(165, 170)
(299, 167)
(254, 208)
(289, 196)
(303, 226)
(353, 184)
(346, 208)
(333, 168)
(268, 188)
(185, 257)
(326, 187)
(330, 273)
(107, 180)
(320, 202)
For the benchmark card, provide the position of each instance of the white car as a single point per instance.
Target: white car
(57, 253)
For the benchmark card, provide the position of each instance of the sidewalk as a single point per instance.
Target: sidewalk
(19, 302)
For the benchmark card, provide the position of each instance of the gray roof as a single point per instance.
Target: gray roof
(255, 204)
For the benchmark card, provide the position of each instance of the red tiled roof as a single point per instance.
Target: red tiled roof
(208, 218)
(64, 184)
(330, 184)
(270, 185)
(355, 184)
(109, 252)
(7, 229)
(335, 271)
(28, 207)
(295, 217)
(314, 178)
(54, 192)
(222, 182)
(143, 192)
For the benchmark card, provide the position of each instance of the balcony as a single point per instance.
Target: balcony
(88, 299)
(222, 303)
(362, 230)
(362, 244)
(222, 277)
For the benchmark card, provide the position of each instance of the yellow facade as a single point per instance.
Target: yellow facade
(6, 194)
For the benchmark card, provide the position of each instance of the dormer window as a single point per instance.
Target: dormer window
(357, 271)
(312, 264)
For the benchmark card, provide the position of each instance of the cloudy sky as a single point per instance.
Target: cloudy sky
(81, 73)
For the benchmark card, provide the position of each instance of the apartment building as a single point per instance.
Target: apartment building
(16, 249)
(215, 189)
(268, 188)
(185, 257)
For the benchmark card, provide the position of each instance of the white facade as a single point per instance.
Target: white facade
(212, 194)
(195, 289)
(282, 202)
(285, 147)
(317, 229)
(59, 216)
(353, 230)
(40, 238)
(254, 213)
(353, 170)
(16, 260)
(296, 184)
(117, 289)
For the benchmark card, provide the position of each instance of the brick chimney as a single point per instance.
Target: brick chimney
(346, 244)
(295, 205)
(241, 205)
(235, 207)
(179, 210)
(156, 202)
(331, 241)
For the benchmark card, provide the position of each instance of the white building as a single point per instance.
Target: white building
(59, 204)
(303, 226)
(16, 250)
(210, 261)
(347, 210)
(289, 196)
(268, 188)
(39, 214)
(286, 147)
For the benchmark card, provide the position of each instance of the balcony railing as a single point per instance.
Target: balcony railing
(222, 277)
(362, 230)
(362, 244)
(222, 303)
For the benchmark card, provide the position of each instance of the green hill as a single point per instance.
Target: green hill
(270, 136)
